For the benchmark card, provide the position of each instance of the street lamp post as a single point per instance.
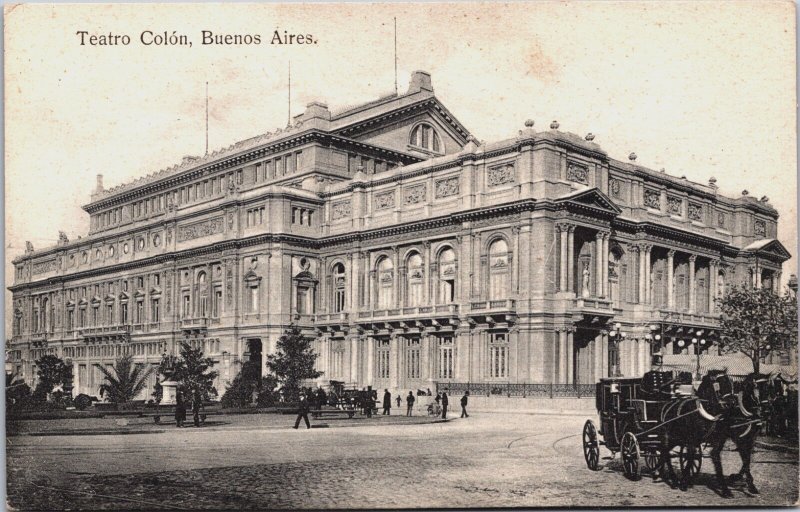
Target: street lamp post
(616, 336)
(698, 343)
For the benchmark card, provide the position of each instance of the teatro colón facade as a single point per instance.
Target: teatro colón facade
(410, 253)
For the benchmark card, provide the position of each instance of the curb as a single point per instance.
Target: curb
(777, 447)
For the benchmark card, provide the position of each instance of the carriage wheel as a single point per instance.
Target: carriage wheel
(630, 456)
(690, 458)
(652, 461)
(591, 448)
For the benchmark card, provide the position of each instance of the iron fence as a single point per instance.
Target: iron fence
(521, 390)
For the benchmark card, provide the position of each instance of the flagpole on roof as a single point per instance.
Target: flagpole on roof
(206, 118)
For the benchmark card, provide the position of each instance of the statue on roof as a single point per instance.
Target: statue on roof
(62, 238)
(28, 246)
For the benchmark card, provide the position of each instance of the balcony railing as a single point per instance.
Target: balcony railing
(684, 317)
(104, 330)
(414, 312)
(492, 306)
(331, 318)
(593, 304)
(194, 323)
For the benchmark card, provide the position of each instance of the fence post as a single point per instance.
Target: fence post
(551, 390)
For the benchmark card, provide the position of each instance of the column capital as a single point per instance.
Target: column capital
(714, 262)
(671, 253)
(426, 244)
(562, 226)
(516, 229)
(692, 258)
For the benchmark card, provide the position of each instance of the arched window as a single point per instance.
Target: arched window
(499, 282)
(385, 283)
(424, 136)
(447, 276)
(414, 280)
(339, 288)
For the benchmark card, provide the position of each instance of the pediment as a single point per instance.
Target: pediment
(591, 198)
(772, 249)
(392, 128)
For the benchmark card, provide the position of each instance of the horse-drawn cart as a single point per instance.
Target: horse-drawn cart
(638, 419)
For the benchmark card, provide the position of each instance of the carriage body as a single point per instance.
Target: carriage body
(630, 413)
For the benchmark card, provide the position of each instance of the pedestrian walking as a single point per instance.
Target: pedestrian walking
(387, 402)
(302, 412)
(197, 402)
(445, 401)
(368, 403)
(410, 403)
(399, 400)
(464, 400)
(180, 408)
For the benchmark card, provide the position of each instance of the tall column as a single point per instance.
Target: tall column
(712, 284)
(394, 361)
(692, 260)
(562, 268)
(372, 285)
(370, 377)
(395, 278)
(599, 259)
(570, 356)
(642, 287)
(426, 268)
(571, 259)
(562, 356)
(647, 267)
(354, 359)
(516, 258)
(606, 288)
(355, 269)
(606, 367)
(776, 282)
(670, 279)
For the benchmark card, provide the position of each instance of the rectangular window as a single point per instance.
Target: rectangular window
(186, 306)
(445, 357)
(253, 299)
(110, 314)
(498, 355)
(139, 311)
(124, 313)
(412, 359)
(217, 302)
(94, 316)
(155, 315)
(383, 362)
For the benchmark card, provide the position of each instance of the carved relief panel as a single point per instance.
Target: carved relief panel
(447, 187)
(500, 175)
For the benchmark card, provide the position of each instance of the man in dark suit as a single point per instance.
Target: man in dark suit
(445, 401)
(387, 402)
(302, 411)
(464, 400)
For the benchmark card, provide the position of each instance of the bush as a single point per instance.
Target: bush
(82, 401)
(268, 396)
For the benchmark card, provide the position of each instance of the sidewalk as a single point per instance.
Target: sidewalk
(777, 444)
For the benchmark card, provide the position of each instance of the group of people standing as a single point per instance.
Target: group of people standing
(441, 398)
(182, 401)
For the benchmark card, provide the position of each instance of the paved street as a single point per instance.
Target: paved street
(486, 460)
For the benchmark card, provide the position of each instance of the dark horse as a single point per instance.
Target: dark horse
(737, 410)
(717, 412)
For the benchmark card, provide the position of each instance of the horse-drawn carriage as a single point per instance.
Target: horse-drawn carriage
(663, 421)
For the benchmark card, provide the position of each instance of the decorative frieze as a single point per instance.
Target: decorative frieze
(341, 210)
(384, 200)
(415, 194)
(695, 212)
(447, 187)
(43, 266)
(578, 173)
(721, 219)
(200, 229)
(500, 175)
(760, 228)
(652, 199)
(674, 205)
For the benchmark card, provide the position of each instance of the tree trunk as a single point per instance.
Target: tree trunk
(756, 361)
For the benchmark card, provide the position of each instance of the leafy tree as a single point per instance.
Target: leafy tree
(293, 361)
(191, 370)
(757, 321)
(125, 382)
(240, 391)
(52, 372)
(18, 393)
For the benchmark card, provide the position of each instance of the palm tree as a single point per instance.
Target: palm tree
(125, 382)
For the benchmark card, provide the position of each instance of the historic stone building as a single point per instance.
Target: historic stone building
(410, 252)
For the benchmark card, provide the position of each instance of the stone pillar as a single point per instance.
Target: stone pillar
(426, 268)
(562, 268)
(394, 362)
(570, 356)
(562, 356)
(692, 261)
(604, 353)
(712, 285)
(515, 260)
(395, 278)
(647, 268)
(599, 259)
(776, 282)
(642, 288)
(372, 286)
(370, 377)
(355, 270)
(354, 359)
(606, 287)
(571, 259)
(670, 279)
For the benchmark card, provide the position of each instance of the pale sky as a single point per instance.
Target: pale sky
(700, 88)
